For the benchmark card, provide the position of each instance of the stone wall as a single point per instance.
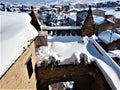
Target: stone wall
(17, 76)
(41, 39)
(87, 77)
(117, 23)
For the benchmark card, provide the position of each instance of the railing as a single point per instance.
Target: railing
(63, 30)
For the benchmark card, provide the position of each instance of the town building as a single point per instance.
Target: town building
(109, 40)
(102, 24)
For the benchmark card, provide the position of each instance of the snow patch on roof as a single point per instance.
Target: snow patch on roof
(108, 36)
(61, 27)
(114, 53)
(16, 34)
(99, 20)
(73, 15)
(116, 14)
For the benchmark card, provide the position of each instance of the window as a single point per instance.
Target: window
(29, 68)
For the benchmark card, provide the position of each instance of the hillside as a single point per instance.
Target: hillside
(49, 2)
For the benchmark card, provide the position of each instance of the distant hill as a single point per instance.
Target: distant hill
(49, 2)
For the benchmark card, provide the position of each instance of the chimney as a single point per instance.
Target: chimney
(89, 7)
(34, 19)
(105, 18)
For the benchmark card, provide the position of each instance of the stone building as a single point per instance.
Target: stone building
(17, 64)
(102, 24)
(114, 16)
(109, 40)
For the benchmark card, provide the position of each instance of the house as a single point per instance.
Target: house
(98, 12)
(109, 14)
(117, 19)
(102, 24)
(72, 18)
(17, 62)
(114, 16)
(109, 40)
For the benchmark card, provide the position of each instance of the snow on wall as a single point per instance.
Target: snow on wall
(61, 27)
(16, 34)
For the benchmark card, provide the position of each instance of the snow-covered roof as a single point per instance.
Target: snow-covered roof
(108, 36)
(83, 15)
(73, 15)
(109, 12)
(116, 14)
(99, 20)
(16, 33)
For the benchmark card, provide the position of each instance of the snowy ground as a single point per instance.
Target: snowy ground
(67, 49)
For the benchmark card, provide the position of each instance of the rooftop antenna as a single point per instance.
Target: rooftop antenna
(110, 36)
